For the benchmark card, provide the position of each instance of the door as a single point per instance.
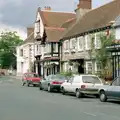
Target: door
(114, 89)
(67, 85)
(76, 83)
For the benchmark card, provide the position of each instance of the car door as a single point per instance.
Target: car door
(76, 83)
(67, 85)
(114, 89)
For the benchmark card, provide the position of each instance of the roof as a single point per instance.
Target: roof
(54, 34)
(55, 19)
(30, 39)
(69, 23)
(94, 19)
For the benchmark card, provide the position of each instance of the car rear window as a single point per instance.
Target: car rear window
(91, 79)
(32, 75)
(59, 77)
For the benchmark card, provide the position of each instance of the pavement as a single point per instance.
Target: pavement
(19, 102)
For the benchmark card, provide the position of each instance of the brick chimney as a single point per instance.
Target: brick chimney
(83, 7)
(29, 31)
(85, 4)
(47, 8)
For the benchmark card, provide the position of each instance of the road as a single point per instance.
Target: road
(19, 102)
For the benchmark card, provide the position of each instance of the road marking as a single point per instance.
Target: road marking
(90, 114)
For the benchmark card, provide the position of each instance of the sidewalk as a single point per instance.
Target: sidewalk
(15, 77)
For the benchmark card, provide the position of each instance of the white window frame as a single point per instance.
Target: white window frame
(88, 42)
(80, 39)
(71, 43)
(97, 40)
(56, 47)
(96, 67)
(66, 47)
(87, 67)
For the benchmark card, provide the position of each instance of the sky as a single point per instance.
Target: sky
(16, 15)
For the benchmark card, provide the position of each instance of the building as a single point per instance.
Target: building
(47, 33)
(25, 53)
(80, 38)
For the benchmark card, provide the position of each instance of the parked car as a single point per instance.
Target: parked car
(31, 79)
(82, 84)
(111, 91)
(52, 82)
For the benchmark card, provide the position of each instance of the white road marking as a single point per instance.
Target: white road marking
(90, 114)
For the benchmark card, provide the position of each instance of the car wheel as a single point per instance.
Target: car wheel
(49, 88)
(103, 97)
(40, 86)
(63, 91)
(78, 93)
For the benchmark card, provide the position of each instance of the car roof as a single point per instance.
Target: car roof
(86, 75)
(30, 73)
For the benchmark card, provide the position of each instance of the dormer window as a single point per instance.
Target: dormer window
(37, 26)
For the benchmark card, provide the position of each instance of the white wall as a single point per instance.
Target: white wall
(41, 26)
(23, 62)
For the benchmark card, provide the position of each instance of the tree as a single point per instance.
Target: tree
(103, 55)
(8, 43)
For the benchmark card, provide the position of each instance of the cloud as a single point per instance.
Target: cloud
(20, 31)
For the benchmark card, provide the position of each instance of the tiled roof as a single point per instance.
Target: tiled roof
(54, 34)
(96, 18)
(55, 19)
(69, 23)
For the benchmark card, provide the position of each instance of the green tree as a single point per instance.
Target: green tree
(103, 56)
(8, 43)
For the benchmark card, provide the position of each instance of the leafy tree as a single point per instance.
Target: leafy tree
(102, 55)
(8, 43)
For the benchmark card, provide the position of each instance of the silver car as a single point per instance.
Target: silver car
(111, 91)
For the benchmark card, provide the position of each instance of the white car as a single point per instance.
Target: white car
(82, 84)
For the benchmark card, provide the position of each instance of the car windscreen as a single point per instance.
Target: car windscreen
(91, 79)
(59, 78)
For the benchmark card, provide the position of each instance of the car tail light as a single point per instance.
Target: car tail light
(56, 82)
(83, 86)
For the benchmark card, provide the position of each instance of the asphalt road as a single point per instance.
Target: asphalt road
(29, 103)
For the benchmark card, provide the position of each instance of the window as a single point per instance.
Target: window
(116, 82)
(38, 26)
(97, 41)
(55, 47)
(66, 45)
(21, 52)
(66, 67)
(88, 42)
(91, 79)
(73, 43)
(89, 67)
(97, 67)
(80, 43)
(76, 79)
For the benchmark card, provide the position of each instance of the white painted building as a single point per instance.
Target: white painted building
(25, 54)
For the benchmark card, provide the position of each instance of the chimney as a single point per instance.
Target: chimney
(83, 7)
(85, 4)
(47, 8)
(29, 31)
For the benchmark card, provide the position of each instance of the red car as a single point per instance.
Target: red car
(31, 79)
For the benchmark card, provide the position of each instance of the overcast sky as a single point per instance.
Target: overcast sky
(17, 14)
